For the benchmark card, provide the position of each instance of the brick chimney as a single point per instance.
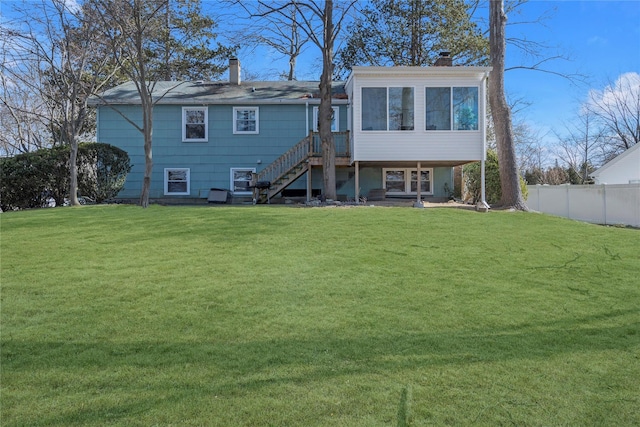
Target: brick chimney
(234, 71)
(444, 60)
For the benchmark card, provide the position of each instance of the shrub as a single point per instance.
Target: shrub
(493, 188)
(102, 170)
(28, 180)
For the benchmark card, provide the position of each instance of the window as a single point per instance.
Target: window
(194, 124)
(335, 119)
(446, 106)
(245, 120)
(387, 108)
(176, 181)
(400, 108)
(438, 108)
(405, 181)
(241, 179)
(465, 108)
(374, 108)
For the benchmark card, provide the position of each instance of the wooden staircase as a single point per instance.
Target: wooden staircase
(296, 161)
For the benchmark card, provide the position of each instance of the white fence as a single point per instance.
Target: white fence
(599, 204)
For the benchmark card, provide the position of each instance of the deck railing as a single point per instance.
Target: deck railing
(309, 146)
(340, 140)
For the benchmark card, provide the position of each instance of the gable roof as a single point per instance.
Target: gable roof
(620, 157)
(199, 92)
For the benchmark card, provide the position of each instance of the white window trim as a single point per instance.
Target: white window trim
(451, 115)
(235, 121)
(184, 124)
(387, 107)
(166, 182)
(404, 131)
(453, 118)
(231, 180)
(335, 126)
(407, 181)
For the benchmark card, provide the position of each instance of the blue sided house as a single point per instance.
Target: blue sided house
(398, 132)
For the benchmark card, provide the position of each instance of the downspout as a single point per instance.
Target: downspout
(306, 112)
(97, 121)
(483, 205)
(418, 203)
(309, 189)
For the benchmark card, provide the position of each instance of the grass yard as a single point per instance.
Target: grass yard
(279, 316)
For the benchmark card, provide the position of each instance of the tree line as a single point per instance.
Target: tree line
(55, 54)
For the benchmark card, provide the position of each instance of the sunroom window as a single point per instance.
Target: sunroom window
(176, 181)
(451, 108)
(194, 124)
(374, 108)
(465, 108)
(438, 108)
(387, 108)
(400, 108)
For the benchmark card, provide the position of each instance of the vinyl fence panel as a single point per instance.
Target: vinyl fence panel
(599, 204)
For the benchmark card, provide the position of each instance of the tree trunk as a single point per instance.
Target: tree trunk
(73, 173)
(293, 47)
(325, 111)
(509, 177)
(292, 67)
(147, 119)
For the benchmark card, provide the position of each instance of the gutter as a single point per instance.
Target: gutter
(201, 101)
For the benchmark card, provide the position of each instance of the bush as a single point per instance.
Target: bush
(102, 170)
(493, 188)
(29, 180)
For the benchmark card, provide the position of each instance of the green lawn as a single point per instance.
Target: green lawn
(370, 316)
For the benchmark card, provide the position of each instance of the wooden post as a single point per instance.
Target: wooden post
(357, 179)
(418, 190)
(309, 187)
(256, 192)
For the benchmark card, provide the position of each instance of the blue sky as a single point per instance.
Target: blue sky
(601, 39)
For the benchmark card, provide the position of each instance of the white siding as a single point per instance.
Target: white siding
(418, 144)
(624, 169)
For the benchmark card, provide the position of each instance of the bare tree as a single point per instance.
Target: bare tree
(54, 58)
(617, 107)
(316, 20)
(581, 146)
(280, 32)
(509, 176)
(23, 113)
(127, 26)
(154, 39)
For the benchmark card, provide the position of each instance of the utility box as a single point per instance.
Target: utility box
(218, 195)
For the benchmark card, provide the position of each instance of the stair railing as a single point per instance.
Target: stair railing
(283, 164)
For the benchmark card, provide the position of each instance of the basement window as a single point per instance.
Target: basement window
(241, 179)
(403, 182)
(177, 181)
